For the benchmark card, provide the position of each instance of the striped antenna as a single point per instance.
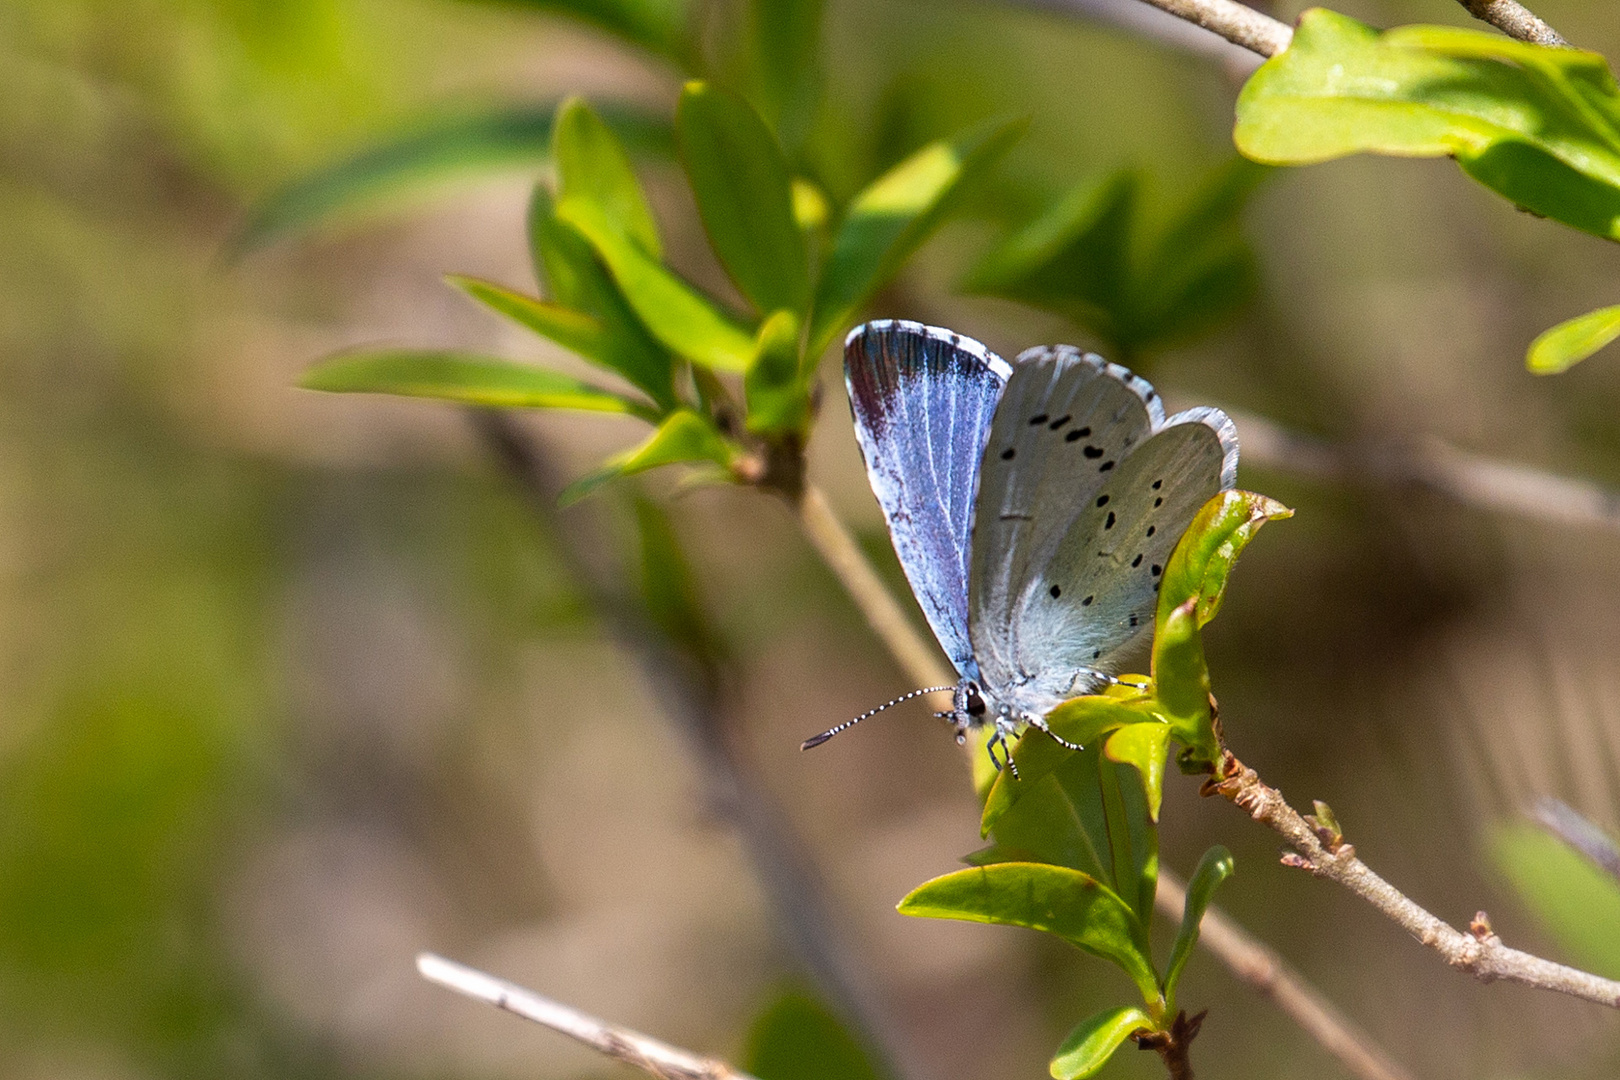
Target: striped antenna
(817, 740)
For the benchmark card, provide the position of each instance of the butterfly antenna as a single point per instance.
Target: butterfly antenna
(817, 740)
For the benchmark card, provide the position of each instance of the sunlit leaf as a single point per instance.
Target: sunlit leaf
(1144, 747)
(1214, 868)
(570, 270)
(465, 377)
(1567, 344)
(1573, 899)
(1094, 1040)
(592, 167)
(1203, 558)
(777, 392)
(888, 220)
(573, 330)
(678, 315)
(1538, 125)
(685, 436)
(1181, 683)
(1074, 906)
(1080, 720)
(744, 195)
(796, 1038)
(428, 158)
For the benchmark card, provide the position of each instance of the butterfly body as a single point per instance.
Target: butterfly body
(1032, 505)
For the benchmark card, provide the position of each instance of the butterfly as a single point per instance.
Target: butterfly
(1033, 507)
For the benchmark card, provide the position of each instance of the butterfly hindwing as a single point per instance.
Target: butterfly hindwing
(1097, 594)
(1066, 423)
(922, 399)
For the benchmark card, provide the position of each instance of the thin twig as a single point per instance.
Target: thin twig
(640, 1051)
(1515, 20)
(1479, 952)
(691, 699)
(1237, 23)
(1558, 818)
(1234, 946)
(1145, 21)
(1437, 466)
(1258, 965)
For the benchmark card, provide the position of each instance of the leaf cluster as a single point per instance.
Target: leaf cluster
(726, 387)
(1075, 833)
(1539, 126)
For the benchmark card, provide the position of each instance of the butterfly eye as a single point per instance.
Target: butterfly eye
(975, 702)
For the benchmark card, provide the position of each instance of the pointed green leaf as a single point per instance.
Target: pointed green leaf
(744, 195)
(1215, 867)
(1181, 683)
(1203, 558)
(893, 216)
(786, 46)
(593, 167)
(465, 377)
(777, 392)
(677, 314)
(1074, 906)
(1080, 720)
(797, 1038)
(1567, 344)
(1146, 748)
(810, 209)
(683, 436)
(573, 330)
(1094, 1040)
(432, 155)
(1538, 125)
(570, 270)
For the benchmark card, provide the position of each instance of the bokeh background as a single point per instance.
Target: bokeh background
(295, 686)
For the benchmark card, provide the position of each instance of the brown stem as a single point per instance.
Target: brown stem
(1479, 952)
(1237, 23)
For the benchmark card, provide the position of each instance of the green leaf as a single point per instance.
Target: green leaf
(1203, 558)
(1080, 720)
(786, 45)
(427, 158)
(1074, 906)
(1567, 344)
(1144, 747)
(573, 330)
(1094, 1040)
(679, 316)
(683, 436)
(796, 1038)
(569, 268)
(465, 377)
(891, 218)
(1074, 259)
(1192, 587)
(655, 25)
(1540, 126)
(1214, 868)
(744, 195)
(593, 167)
(777, 392)
(1574, 900)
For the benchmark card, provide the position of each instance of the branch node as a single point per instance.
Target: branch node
(1480, 927)
(1296, 861)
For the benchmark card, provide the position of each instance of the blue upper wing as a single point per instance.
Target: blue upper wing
(923, 399)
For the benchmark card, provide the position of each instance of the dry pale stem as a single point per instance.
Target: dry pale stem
(1480, 954)
(1515, 20)
(1237, 23)
(640, 1051)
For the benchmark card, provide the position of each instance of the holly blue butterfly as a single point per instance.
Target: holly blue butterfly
(1033, 507)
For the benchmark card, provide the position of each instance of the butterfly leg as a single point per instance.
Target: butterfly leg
(1040, 722)
(1005, 760)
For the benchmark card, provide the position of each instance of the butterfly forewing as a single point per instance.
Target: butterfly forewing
(1096, 596)
(922, 399)
(1066, 422)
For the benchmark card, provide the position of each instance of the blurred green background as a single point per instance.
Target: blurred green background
(294, 687)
